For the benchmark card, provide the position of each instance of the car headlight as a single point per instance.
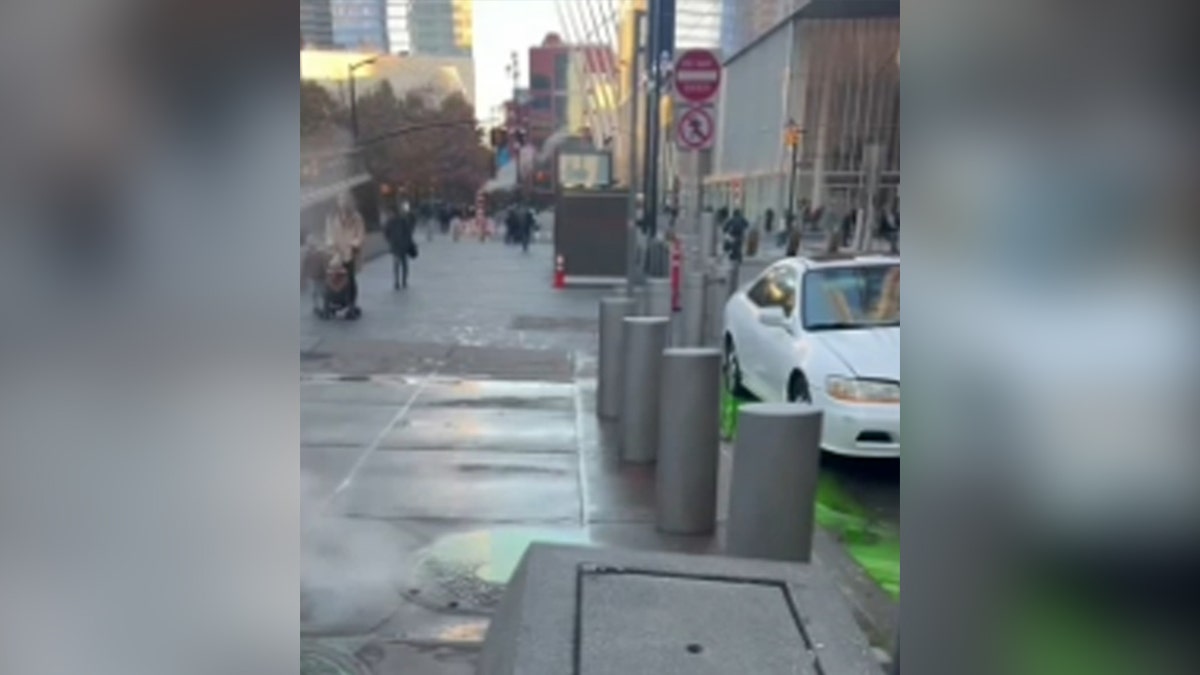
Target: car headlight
(853, 390)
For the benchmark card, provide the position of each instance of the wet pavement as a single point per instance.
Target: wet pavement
(440, 435)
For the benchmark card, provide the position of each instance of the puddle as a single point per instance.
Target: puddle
(468, 572)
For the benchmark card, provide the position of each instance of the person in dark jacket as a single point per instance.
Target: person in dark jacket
(398, 229)
(528, 225)
(735, 234)
(512, 225)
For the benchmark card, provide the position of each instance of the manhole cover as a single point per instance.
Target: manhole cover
(320, 660)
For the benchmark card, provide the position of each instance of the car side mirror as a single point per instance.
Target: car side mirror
(773, 317)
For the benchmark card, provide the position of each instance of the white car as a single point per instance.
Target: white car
(824, 330)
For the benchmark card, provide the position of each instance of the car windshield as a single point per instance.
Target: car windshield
(852, 297)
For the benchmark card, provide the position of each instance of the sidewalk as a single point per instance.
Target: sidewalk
(441, 434)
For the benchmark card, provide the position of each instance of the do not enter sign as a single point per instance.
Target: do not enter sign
(697, 75)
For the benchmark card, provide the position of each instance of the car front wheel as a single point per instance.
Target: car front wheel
(733, 370)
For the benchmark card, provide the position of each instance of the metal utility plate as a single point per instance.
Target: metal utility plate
(648, 622)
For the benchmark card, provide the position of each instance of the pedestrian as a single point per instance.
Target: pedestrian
(528, 225)
(849, 224)
(345, 232)
(894, 231)
(512, 225)
(735, 234)
(769, 221)
(398, 229)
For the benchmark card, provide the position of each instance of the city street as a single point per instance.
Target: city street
(449, 427)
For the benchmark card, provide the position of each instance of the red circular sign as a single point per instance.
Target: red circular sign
(697, 75)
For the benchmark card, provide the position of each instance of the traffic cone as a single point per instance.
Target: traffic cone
(560, 274)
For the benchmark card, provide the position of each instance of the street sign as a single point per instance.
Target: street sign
(696, 128)
(697, 75)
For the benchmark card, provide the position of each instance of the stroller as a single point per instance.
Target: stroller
(330, 286)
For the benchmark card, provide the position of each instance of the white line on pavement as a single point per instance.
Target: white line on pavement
(374, 444)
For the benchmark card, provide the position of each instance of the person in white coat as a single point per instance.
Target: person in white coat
(345, 232)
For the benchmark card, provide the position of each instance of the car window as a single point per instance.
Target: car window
(852, 297)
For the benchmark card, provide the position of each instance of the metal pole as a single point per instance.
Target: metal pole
(772, 497)
(650, 160)
(353, 106)
(632, 276)
(655, 151)
(645, 339)
(608, 389)
(689, 444)
(791, 202)
(873, 153)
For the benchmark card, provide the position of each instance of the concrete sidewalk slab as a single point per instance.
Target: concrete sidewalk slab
(607, 611)
(474, 428)
(464, 486)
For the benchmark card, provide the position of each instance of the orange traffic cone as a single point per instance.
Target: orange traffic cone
(560, 274)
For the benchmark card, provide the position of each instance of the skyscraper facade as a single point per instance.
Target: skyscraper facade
(698, 24)
(744, 21)
(360, 25)
(431, 27)
(316, 24)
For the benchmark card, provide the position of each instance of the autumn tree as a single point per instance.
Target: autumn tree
(431, 146)
(318, 110)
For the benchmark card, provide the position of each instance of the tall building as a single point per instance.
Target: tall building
(431, 27)
(698, 24)
(316, 24)
(744, 21)
(566, 85)
(360, 25)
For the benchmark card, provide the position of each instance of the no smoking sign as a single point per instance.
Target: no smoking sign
(696, 128)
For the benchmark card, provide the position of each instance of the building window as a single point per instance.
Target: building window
(562, 64)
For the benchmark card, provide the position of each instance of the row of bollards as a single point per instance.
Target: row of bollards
(667, 401)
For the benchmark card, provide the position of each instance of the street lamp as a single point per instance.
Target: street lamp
(792, 135)
(353, 102)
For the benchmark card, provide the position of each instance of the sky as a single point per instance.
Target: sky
(502, 26)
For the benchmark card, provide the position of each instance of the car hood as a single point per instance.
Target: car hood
(869, 352)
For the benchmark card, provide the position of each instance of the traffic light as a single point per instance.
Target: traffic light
(499, 137)
(792, 136)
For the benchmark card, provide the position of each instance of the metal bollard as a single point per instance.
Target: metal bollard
(641, 300)
(773, 489)
(689, 443)
(715, 296)
(645, 340)
(608, 388)
(708, 236)
(659, 303)
(692, 331)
